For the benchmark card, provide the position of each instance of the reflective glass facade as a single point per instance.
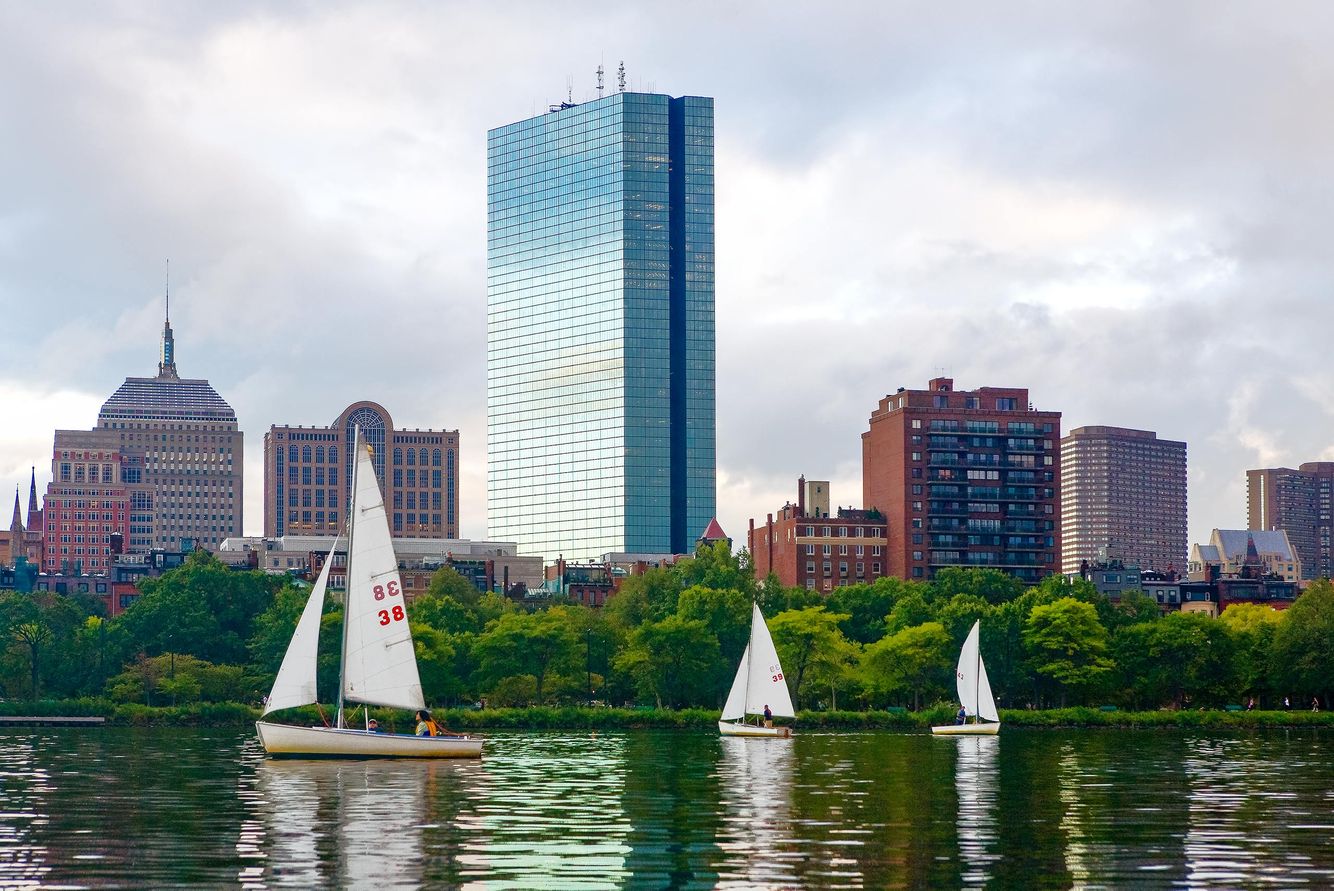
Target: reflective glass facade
(600, 340)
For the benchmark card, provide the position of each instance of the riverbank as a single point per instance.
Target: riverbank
(235, 714)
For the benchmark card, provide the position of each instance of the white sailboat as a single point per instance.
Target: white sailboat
(974, 693)
(379, 666)
(759, 684)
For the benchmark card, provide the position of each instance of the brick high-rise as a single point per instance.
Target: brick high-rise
(1298, 502)
(1123, 496)
(967, 478)
(307, 472)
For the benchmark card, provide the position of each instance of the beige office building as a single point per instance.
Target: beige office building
(1123, 497)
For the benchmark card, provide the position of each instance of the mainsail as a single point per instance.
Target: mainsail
(759, 678)
(971, 677)
(295, 683)
(379, 664)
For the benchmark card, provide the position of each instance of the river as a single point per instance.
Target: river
(133, 808)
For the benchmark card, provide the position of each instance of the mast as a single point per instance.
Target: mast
(347, 585)
(977, 685)
(750, 657)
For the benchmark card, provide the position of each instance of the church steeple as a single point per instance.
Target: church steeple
(16, 524)
(32, 498)
(167, 367)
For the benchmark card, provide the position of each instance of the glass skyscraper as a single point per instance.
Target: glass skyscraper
(600, 327)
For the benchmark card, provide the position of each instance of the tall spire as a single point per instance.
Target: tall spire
(16, 524)
(32, 498)
(167, 367)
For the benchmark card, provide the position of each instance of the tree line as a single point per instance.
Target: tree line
(674, 636)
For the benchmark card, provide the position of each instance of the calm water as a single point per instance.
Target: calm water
(174, 807)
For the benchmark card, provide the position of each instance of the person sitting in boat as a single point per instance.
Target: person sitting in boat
(425, 725)
(373, 726)
(768, 716)
(961, 716)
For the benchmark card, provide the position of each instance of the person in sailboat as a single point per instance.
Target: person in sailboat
(961, 716)
(768, 716)
(373, 726)
(426, 726)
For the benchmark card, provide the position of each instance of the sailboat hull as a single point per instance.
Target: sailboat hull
(727, 728)
(967, 730)
(332, 742)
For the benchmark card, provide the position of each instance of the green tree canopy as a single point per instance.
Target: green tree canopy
(1067, 645)
(668, 660)
(913, 660)
(527, 643)
(1304, 643)
(810, 646)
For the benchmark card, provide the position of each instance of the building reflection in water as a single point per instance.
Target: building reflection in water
(977, 783)
(551, 815)
(23, 786)
(755, 798)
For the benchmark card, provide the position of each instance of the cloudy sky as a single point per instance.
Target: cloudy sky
(1124, 207)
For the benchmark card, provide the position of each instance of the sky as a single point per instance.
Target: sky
(1125, 208)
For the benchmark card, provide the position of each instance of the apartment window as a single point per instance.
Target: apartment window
(917, 456)
(917, 523)
(861, 550)
(1005, 403)
(843, 550)
(826, 532)
(917, 572)
(861, 570)
(810, 549)
(828, 568)
(875, 569)
(810, 567)
(825, 550)
(875, 551)
(843, 569)
(917, 473)
(917, 505)
(940, 401)
(917, 538)
(917, 489)
(916, 424)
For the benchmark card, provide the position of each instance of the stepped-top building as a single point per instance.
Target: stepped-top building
(170, 449)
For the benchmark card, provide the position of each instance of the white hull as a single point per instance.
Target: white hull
(986, 729)
(727, 728)
(326, 742)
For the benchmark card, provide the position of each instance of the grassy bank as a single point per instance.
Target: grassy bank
(230, 714)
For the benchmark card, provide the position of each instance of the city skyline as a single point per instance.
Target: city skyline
(882, 220)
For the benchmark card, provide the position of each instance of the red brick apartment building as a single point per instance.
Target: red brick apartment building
(806, 547)
(965, 478)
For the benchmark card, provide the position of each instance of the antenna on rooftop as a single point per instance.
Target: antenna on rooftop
(600, 72)
(569, 88)
(168, 291)
(620, 77)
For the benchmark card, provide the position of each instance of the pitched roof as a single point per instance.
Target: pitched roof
(1234, 543)
(714, 532)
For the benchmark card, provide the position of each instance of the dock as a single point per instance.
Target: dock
(50, 721)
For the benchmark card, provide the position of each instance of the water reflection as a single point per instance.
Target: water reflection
(25, 784)
(976, 781)
(355, 823)
(755, 796)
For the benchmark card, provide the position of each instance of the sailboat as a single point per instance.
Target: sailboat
(759, 682)
(974, 693)
(378, 664)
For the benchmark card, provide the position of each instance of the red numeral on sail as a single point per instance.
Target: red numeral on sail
(379, 592)
(398, 613)
(778, 677)
(384, 617)
(394, 615)
(393, 589)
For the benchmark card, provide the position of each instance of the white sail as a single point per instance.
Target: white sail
(766, 684)
(971, 679)
(736, 699)
(966, 672)
(379, 665)
(295, 683)
(986, 703)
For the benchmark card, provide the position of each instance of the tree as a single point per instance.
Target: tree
(867, 606)
(910, 611)
(960, 613)
(668, 660)
(914, 659)
(992, 585)
(810, 645)
(1254, 627)
(1067, 645)
(1304, 643)
(527, 643)
(449, 582)
(1194, 654)
(201, 608)
(715, 566)
(650, 597)
(724, 611)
